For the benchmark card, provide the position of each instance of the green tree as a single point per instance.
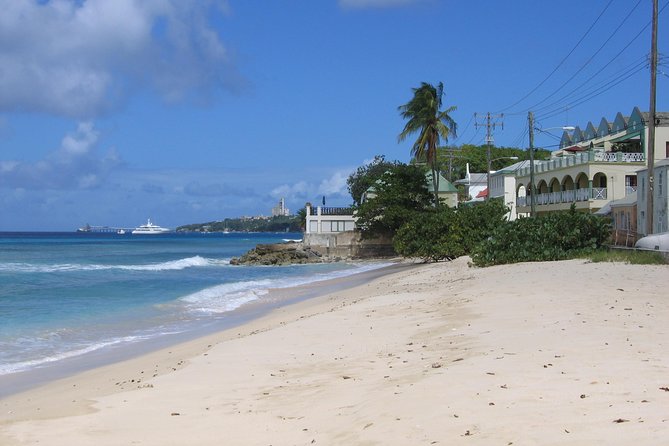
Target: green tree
(302, 217)
(425, 117)
(365, 177)
(454, 159)
(555, 236)
(479, 220)
(398, 194)
(447, 233)
(431, 235)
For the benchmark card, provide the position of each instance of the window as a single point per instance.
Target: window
(659, 184)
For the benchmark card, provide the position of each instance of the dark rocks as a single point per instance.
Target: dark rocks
(280, 254)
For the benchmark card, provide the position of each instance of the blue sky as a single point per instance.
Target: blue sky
(191, 110)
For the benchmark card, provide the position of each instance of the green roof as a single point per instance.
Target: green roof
(444, 185)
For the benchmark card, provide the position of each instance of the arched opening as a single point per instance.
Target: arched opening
(582, 181)
(599, 180)
(567, 183)
(554, 185)
(542, 187)
(568, 192)
(600, 186)
(521, 191)
(521, 195)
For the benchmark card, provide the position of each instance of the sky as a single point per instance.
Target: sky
(189, 111)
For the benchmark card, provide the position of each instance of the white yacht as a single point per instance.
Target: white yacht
(149, 228)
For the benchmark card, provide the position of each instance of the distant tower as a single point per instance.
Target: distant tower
(280, 210)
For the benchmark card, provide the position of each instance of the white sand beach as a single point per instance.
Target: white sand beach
(530, 354)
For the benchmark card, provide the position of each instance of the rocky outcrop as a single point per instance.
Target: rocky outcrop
(280, 254)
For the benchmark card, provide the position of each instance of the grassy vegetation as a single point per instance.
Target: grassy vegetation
(627, 256)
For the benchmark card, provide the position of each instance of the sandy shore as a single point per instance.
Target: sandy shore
(542, 353)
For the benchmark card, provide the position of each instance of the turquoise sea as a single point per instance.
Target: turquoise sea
(68, 295)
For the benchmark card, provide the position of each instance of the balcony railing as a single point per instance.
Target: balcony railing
(565, 196)
(584, 158)
(322, 210)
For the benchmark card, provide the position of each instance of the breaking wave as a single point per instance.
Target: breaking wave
(171, 265)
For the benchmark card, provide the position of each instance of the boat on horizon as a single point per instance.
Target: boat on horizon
(149, 228)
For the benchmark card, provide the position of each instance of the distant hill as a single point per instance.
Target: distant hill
(256, 224)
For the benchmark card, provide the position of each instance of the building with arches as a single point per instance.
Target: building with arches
(594, 165)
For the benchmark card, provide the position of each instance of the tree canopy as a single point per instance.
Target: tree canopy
(453, 159)
(400, 192)
(366, 176)
(432, 124)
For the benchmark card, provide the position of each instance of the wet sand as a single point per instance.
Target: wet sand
(542, 353)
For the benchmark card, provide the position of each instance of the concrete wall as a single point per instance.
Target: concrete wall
(349, 245)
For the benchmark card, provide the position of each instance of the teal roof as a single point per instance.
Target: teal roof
(444, 185)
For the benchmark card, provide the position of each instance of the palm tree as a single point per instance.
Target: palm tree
(432, 124)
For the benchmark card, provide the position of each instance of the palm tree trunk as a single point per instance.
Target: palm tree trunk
(435, 185)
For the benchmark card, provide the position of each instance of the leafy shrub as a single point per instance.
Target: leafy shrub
(431, 235)
(397, 195)
(448, 233)
(556, 236)
(479, 220)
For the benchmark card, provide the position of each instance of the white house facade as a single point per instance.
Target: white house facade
(593, 166)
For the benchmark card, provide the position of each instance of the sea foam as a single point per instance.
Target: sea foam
(172, 265)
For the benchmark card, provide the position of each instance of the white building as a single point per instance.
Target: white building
(594, 166)
(280, 210)
(503, 186)
(660, 198)
(475, 185)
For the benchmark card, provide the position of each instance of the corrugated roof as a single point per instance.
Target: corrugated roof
(627, 201)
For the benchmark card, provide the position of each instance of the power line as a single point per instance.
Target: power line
(615, 80)
(561, 62)
(635, 65)
(471, 119)
(587, 62)
(592, 94)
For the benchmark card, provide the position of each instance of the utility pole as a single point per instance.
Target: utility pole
(449, 152)
(650, 144)
(533, 206)
(490, 124)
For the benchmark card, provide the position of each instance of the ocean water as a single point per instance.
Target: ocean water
(66, 295)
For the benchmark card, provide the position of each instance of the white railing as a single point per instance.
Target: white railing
(599, 193)
(584, 158)
(630, 190)
(566, 196)
(327, 220)
(609, 157)
(633, 157)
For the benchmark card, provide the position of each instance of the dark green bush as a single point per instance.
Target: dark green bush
(448, 233)
(556, 236)
(431, 236)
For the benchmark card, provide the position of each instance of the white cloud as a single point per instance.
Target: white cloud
(333, 188)
(335, 185)
(363, 4)
(80, 58)
(296, 192)
(80, 142)
(75, 165)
